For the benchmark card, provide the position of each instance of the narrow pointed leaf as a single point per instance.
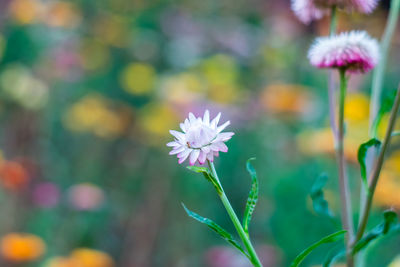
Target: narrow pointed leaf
(208, 175)
(252, 198)
(362, 154)
(216, 228)
(320, 205)
(328, 239)
(389, 223)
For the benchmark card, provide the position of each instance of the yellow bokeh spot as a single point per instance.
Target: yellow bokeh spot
(21, 247)
(221, 75)
(357, 107)
(156, 120)
(138, 78)
(183, 88)
(95, 113)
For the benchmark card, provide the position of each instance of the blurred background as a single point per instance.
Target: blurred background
(89, 91)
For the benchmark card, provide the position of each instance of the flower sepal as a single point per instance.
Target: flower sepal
(209, 176)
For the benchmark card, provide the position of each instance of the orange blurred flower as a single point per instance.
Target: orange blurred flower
(92, 258)
(286, 98)
(62, 14)
(62, 262)
(387, 191)
(21, 247)
(25, 11)
(13, 175)
(82, 257)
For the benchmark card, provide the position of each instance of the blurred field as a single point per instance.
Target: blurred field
(89, 91)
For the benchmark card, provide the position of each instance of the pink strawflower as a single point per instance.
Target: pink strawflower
(309, 10)
(364, 6)
(201, 139)
(354, 51)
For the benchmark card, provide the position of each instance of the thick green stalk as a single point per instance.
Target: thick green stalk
(333, 25)
(243, 236)
(373, 181)
(377, 78)
(343, 181)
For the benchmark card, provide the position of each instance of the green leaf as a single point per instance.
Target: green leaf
(252, 198)
(389, 223)
(209, 176)
(362, 154)
(328, 239)
(215, 227)
(320, 205)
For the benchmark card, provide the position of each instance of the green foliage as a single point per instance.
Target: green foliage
(215, 227)
(320, 205)
(362, 154)
(252, 198)
(328, 239)
(389, 222)
(334, 257)
(209, 176)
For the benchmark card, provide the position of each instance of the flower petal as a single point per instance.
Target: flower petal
(180, 136)
(183, 155)
(223, 126)
(206, 117)
(173, 144)
(194, 156)
(215, 121)
(222, 137)
(177, 150)
(182, 125)
(202, 157)
(192, 118)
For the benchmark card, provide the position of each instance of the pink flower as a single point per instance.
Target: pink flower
(354, 51)
(309, 10)
(85, 196)
(365, 6)
(46, 194)
(201, 139)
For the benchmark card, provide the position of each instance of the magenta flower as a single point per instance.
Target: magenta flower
(364, 6)
(309, 10)
(201, 139)
(354, 51)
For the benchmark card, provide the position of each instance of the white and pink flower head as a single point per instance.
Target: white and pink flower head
(200, 140)
(353, 51)
(309, 10)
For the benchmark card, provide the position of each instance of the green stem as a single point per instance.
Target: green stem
(331, 82)
(377, 78)
(333, 25)
(243, 236)
(343, 181)
(377, 170)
